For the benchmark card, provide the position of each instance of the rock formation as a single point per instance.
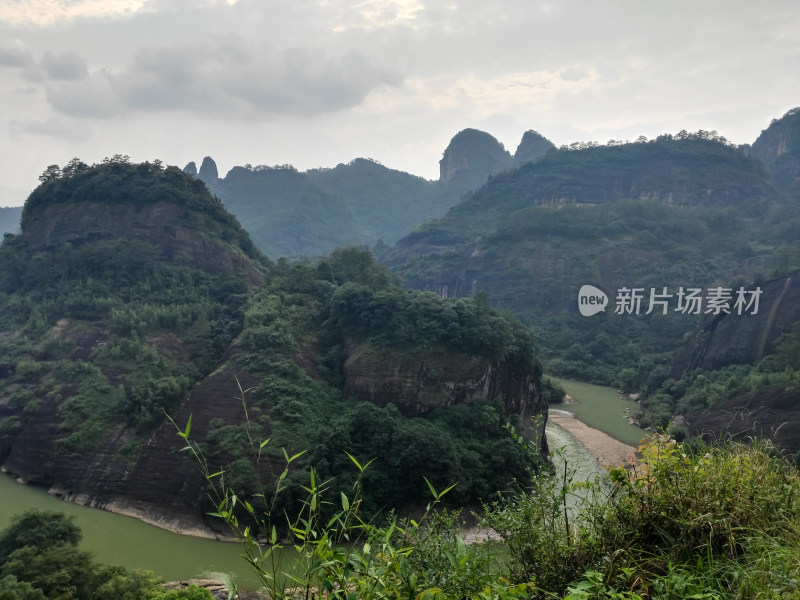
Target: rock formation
(208, 171)
(471, 157)
(532, 146)
(733, 339)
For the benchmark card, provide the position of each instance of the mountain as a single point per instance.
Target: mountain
(292, 213)
(648, 220)
(778, 148)
(471, 157)
(131, 293)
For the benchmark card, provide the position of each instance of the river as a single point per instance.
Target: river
(603, 408)
(120, 540)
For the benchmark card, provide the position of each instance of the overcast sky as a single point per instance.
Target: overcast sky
(319, 82)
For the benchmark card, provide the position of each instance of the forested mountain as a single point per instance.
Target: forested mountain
(651, 218)
(292, 213)
(131, 294)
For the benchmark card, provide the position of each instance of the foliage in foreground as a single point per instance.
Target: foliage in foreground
(40, 559)
(685, 522)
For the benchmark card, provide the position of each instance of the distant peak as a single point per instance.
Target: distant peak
(532, 146)
(208, 170)
(475, 154)
(190, 169)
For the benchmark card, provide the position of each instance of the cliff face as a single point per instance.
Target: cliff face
(778, 147)
(770, 414)
(158, 483)
(471, 157)
(732, 339)
(417, 384)
(146, 276)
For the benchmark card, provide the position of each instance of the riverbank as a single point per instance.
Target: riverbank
(607, 451)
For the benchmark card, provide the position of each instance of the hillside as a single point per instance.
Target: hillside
(131, 293)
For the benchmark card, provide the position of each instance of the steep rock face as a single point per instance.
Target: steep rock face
(771, 414)
(778, 147)
(160, 485)
(418, 383)
(471, 157)
(208, 171)
(732, 339)
(190, 169)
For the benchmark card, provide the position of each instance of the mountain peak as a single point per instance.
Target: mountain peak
(472, 156)
(532, 146)
(208, 171)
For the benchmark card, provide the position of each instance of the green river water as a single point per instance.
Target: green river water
(120, 540)
(603, 408)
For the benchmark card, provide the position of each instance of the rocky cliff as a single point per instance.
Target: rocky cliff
(145, 276)
(770, 414)
(471, 157)
(162, 224)
(778, 147)
(743, 339)
(417, 383)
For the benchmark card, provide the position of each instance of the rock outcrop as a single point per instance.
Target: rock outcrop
(208, 171)
(778, 147)
(733, 339)
(471, 157)
(159, 223)
(417, 383)
(772, 413)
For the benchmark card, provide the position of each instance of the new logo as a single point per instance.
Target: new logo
(591, 300)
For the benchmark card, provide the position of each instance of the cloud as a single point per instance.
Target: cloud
(42, 13)
(13, 53)
(228, 80)
(54, 128)
(68, 66)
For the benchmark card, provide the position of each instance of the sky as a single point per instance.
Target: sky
(315, 83)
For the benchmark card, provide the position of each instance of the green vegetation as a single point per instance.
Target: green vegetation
(679, 211)
(323, 311)
(698, 389)
(111, 334)
(289, 213)
(117, 181)
(114, 332)
(40, 558)
(685, 522)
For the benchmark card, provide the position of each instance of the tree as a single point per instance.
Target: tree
(40, 529)
(51, 173)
